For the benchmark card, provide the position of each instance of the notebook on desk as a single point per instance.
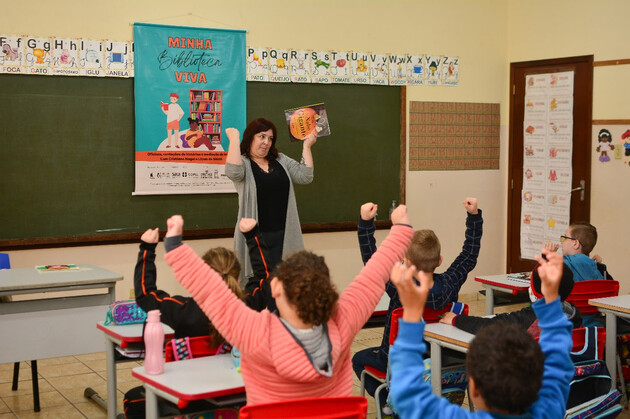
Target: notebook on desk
(523, 277)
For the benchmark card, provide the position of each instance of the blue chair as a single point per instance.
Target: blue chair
(5, 263)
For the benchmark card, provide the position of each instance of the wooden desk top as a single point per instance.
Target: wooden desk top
(620, 303)
(25, 279)
(196, 379)
(446, 333)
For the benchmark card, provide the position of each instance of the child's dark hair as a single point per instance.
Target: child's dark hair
(586, 234)
(507, 366)
(424, 251)
(306, 282)
(225, 263)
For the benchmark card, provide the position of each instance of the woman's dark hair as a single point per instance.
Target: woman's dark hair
(253, 128)
(306, 282)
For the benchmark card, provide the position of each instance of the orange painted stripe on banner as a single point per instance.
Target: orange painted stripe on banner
(196, 157)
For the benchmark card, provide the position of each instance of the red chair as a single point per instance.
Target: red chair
(318, 407)
(594, 288)
(429, 316)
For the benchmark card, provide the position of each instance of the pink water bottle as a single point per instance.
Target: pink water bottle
(153, 344)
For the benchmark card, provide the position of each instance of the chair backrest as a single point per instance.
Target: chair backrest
(317, 407)
(200, 346)
(594, 288)
(5, 263)
(584, 347)
(430, 316)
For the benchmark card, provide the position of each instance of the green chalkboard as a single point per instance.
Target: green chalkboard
(68, 160)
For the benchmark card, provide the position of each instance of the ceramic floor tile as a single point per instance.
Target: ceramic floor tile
(91, 357)
(24, 388)
(91, 410)
(65, 412)
(97, 365)
(7, 416)
(72, 388)
(3, 407)
(62, 370)
(6, 372)
(24, 403)
(56, 361)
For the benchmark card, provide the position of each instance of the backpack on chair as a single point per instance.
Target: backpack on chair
(592, 391)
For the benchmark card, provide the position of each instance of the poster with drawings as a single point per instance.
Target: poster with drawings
(12, 56)
(65, 57)
(359, 70)
(257, 64)
(547, 157)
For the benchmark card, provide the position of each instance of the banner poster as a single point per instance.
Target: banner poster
(450, 71)
(433, 70)
(65, 57)
(359, 70)
(379, 69)
(320, 67)
(340, 67)
(92, 58)
(547, 160)
(300, 66)
(415, 70)
(257, 64)
(279, 66)
(38, 56)
(189, 87)
(12, 57)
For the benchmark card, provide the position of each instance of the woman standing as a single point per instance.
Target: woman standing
(264, 181)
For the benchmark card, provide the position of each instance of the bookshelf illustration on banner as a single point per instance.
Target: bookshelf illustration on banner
(359, 70)
(91, 58)
(433, 69)
(379, 69)
(415, 70)
(279, 66)
(65, 57)
(117, 59)
(300, 66)
(303, 120)
(12, 56)
(38, 59)
(257, 64)
(205, 108)
(340, 67)
(320, 67)
(450, 71)
(397, 69)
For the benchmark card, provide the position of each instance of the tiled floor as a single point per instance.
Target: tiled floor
(63, 380)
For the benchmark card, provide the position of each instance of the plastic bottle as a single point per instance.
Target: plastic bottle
(393, 207)
(153, 344)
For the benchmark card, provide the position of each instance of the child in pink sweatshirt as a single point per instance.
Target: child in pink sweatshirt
(304, 349)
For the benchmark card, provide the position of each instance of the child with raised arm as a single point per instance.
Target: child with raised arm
(258, 287)
(445, 289)
(304, 350)
(509, 373)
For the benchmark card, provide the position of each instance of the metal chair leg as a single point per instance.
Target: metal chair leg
(35, 386)
(16, 376)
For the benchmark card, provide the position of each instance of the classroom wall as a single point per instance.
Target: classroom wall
(541, 29)
(485, 34)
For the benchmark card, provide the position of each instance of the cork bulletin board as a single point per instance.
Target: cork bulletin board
(453, 136)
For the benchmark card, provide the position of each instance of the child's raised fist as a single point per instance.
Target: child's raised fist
(399, 215)
(471, 205)
(550, 272)
(175, 226)
(368, 211)
(247, 224)
(152, 235)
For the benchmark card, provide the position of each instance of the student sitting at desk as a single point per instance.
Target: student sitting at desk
(304, 350)
(509, 373)
(525, 317)
(445, 289)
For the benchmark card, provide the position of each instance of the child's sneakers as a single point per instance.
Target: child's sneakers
(387, 413)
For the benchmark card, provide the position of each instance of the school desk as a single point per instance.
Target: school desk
(62, 323)
(613, 307)
(504, 283)
(210, 377)
(123, 336)
(440, 335)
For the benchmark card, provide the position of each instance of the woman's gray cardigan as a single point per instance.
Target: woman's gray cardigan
(243, 179)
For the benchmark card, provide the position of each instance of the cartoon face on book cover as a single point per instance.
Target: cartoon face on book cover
(305, 120)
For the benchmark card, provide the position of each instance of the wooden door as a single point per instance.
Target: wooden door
(582, 121)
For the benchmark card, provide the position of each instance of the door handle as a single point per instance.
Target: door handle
(581, 188)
